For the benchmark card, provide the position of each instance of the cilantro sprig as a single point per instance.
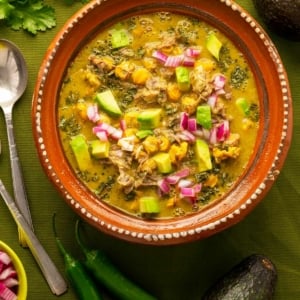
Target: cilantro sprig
(30, 15)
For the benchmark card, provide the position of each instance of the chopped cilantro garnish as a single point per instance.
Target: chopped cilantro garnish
(238, 77)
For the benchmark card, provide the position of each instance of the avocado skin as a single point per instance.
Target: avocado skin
(281, 16)
(254, 278)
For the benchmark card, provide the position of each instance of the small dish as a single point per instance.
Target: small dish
(18, 265)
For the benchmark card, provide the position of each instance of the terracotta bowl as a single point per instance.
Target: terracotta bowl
(271, 148)
(18, 265)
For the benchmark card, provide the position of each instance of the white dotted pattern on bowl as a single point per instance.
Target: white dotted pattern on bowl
(272, 174)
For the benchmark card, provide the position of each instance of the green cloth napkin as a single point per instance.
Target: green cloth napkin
(172, 272)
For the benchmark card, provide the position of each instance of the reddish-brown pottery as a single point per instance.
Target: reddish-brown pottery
(273, 141)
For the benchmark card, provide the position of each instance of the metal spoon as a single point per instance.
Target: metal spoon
(13, 81)
(55, 281)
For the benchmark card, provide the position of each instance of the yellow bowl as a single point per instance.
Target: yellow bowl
(22, 278)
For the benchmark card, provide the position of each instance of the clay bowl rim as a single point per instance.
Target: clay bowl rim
(271, 148)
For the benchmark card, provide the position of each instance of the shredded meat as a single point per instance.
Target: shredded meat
(200, 82)
(152, 92)
(126, 181)
(168, 39)
(233, 140)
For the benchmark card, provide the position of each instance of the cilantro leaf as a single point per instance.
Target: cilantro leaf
(5, 9)
(30, 15)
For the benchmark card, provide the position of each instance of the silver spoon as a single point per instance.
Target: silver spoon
(55, 281)
(13, 81)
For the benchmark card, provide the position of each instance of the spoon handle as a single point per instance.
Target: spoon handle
(17, 177)
(55, 281)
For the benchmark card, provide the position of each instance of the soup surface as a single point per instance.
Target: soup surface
(158, 115)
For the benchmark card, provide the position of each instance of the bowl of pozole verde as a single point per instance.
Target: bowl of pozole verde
(162, 123)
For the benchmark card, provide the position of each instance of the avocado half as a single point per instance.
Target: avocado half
(281, 16)
(254, 278)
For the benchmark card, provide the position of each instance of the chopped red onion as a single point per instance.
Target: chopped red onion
(183, 173)
(116, 133)
(6, 293)
(184, 119)
(8, 277)
(190, 192)
(92, 113)
(192, 125)
(213, 136)
(188, 61)
(192, 52)
(187, 192)
(160, 56)
(172, 179)
(102, 136)
(212, 100)
(10, 282)
(223, 131)
(164, 186)
(111, 131)
(174, 60)
(175, 177)
(8, 272)
(187, 136)
(219, 81)
(123, 125)
(4, 258)
(100, 127)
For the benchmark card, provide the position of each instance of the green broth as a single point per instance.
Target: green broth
(98, 67)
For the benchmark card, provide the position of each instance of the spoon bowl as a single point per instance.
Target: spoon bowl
(13, 73)
(13, 82)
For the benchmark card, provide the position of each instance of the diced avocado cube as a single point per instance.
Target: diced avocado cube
(163, 162)
(183, 78)
(81, 152)
(214, 45)
(203, 156)
(100, 149)
(149, 205)
(244, 105)
(143, 133)
(149, 118)
(119, 38)
(203, 116)
(108, 103)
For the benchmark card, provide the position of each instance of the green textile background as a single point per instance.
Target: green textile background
(171, 272)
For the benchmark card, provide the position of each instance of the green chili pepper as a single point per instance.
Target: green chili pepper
(110, 276)
(85, 288)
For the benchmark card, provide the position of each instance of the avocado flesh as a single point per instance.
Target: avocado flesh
(281, 16)
(254, 278)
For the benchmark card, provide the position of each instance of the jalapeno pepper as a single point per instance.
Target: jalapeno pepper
(107, 274)
(84, 287)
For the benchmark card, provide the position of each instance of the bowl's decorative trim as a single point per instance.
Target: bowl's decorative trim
(151, 237)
